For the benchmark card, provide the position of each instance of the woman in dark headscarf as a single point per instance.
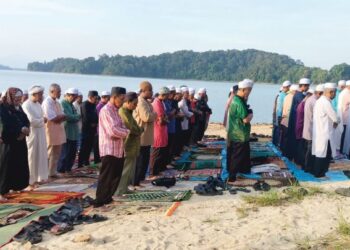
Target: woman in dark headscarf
(14, 170)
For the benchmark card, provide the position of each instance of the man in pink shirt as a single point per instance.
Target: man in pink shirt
(159, 150)
(112, 132)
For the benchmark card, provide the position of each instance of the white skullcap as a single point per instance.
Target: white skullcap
(36, 89)
(171, 88)
(72, 91)
(320, 88)
(106, 93)
(3, 93)
(347, 83)
(310, 90)
(341, 83)
(192, 91)
(163, 91)
(304, 81)
(294, 87)
(202, 90)
(80, 94)
(286, 84)
(184, 89)
(197, 97)
(330, 85)
(246, 83)
(25, 92)
(178, 90)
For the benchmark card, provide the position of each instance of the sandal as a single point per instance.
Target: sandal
(261, 186)
(26, 235)
(61, 229)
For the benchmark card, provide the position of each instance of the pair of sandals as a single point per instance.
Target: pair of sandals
(210, 188)
(261, 185)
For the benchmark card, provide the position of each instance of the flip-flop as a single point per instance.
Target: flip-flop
(61, 229)
(261, 186)
(26, 235)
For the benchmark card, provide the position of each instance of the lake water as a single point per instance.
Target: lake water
(261, 99)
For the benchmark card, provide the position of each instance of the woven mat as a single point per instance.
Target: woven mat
(39, 198)
(340, 165)
(158, 196)
(251, 182)
(202, 172)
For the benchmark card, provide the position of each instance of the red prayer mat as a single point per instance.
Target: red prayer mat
(41, 197)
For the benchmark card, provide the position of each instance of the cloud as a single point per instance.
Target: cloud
(41, 7)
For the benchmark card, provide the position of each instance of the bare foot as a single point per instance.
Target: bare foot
(29, 188)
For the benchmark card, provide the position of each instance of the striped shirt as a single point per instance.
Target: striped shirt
(112, 131)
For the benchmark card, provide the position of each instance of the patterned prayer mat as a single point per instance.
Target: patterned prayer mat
(340, 165)
(202, 172)
(7, 209)
(39, 198)
(158, 196)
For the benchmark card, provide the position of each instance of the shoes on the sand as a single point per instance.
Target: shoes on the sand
(261, 185)
(210, 187)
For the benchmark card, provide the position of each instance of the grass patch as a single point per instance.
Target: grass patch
(291, 194)
(242, 212)
(343, 226)
(331, 241)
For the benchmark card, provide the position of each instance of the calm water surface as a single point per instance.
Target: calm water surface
(261, 99)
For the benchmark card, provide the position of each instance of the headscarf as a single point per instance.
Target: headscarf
(10, 95)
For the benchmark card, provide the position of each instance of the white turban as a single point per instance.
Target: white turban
(246, 83)
(320, 88)
(341, 83)
(202, 90)
(294, 87)
(347, 83)
(106, 93)
(36, 89)
(171, 88)
(286, 84)
(184, 89)
(330, 85)
(192, 91)
(72, 91)
(305, 81)
(311, 91)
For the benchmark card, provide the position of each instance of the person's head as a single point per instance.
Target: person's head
(55, 91)
(202, 92)
(36, 93)
(105, 95)
(293, 88)
(319, 90)
(93, 96)
(191, 92)
(130, 101)
(171, 92)
(71, 94)
(341, 84)
(286, 86)
(163, 93)
(347, 85)
(304, 84)
(13, 97)
(185, 93)
(309, 92)
(245, 88)
(117, 96)
(146, 90)
(330, 90)
(79, 99)
(25, 96)
(178, 94)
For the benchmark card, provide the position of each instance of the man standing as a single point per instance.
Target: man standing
(89, 129)
(55, 133)
(145, 117)
(343, 111)
(77, 106)
(159, 154)
(279, 110)
(112, 132)
(202, 106)
(238, 133)
(105, 96)
(298, 97)
(341, 87)
(308, 126)
(171, 110)
(36, 141)
(324, 123)
(183, 106)
(69, 149)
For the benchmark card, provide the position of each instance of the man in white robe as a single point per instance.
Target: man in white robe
(36, 141)
(325, 121)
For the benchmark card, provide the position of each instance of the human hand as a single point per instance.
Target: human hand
(335, 125)
(25, 130)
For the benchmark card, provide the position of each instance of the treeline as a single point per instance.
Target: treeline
(229, 65)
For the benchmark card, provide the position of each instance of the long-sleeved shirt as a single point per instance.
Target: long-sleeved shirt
(72, 119)
(308, 117)
(280, 101)
(184, 109)
(99, 106)
(343, 105)
(287, 104)
(299, 126)
(77, 107)
(112, 132)
(132, 141)
(160, 128)
(238, 131)
(89, 118)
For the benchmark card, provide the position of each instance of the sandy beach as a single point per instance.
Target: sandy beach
(220, 222)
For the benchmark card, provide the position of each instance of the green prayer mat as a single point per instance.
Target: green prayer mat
(158, 196)
(7, 209)
(6, 233)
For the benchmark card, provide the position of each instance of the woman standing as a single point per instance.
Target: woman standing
(14, 169)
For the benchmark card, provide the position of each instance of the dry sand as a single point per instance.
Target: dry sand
(221, 222)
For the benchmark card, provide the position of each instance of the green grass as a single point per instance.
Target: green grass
(343, 226)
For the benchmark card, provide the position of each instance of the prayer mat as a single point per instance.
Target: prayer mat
(215, 151)
(202, 172)
(52, 187)
(157, 196)
(267, 160)
(203, 157)
(7, 209)
(343, 164)
(39, 198)
(76, 180)
(7, 233)
(241, 182)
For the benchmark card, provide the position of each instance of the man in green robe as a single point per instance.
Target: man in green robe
(238, 134)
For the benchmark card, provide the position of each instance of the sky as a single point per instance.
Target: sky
(317, 32)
